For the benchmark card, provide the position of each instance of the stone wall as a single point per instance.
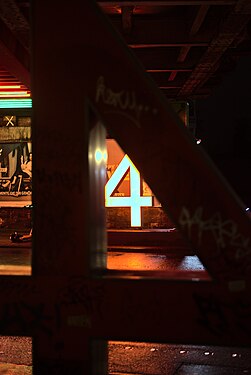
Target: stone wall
(117, 218)
(17, 218)
(152, 218)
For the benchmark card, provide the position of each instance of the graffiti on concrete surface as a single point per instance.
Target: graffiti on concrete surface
(80, 320)
(122, 102)
(12, 287)
(79, 292)
(71, 181)
(26, 317)
(74, 306)
(224, 232)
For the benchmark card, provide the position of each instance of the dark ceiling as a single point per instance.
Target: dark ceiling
(187, 46)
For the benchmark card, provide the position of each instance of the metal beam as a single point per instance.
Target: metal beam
(13, 18)
(208, 64)
(167, 70)
(165, 3)
(183, 53)
(15, 67)
(199, 19)
(172, 75)
(127, 12)
(161, 45)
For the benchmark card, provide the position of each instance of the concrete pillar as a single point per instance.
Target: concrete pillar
(68, 187)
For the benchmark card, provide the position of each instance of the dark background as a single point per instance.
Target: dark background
(224, 125)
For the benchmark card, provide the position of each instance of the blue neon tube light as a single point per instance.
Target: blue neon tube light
(16, 103)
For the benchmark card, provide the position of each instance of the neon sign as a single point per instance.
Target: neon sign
(16, 103)
(135, 201)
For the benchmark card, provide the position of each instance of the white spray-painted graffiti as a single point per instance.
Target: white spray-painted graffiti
(123, 101)
(224, 232)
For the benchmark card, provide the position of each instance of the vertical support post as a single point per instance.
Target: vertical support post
(97, 179)
(64, 232)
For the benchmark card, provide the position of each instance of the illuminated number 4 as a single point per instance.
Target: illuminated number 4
(135, 200)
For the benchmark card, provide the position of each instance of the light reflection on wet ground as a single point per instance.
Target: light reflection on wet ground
(17, 257)
(170, 359)
(15, 261)
(18, 261)
(150, 262)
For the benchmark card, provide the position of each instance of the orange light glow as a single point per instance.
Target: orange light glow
(7, 94)
(9, 87)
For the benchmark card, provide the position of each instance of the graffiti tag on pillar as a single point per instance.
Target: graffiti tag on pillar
(25, 316)
(78, 292)
(122, 102)
(224, 232)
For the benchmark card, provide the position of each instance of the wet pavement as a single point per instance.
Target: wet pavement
(16, 350)
(134, 358)
(15, 200)
(152, 262)
(15, 258)
(164, 359)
